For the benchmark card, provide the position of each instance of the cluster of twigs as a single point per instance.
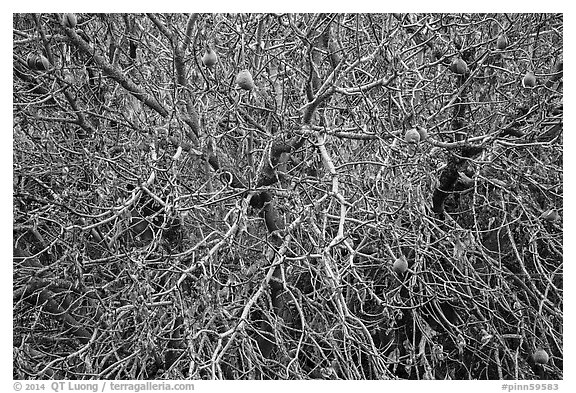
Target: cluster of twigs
(169, 225)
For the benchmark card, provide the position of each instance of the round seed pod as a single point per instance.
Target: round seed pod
(529, 80)
(210, 58)
(400, 265)
(42, 63)
(412, 136)
(540, 357)
(31, 61)
(502, 42)
(244, 80)
(69, 20)
(459, 66)
(550, 215)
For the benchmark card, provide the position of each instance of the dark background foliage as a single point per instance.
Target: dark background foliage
(170, 224)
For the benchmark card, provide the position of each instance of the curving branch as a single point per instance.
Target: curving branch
(116, 74)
